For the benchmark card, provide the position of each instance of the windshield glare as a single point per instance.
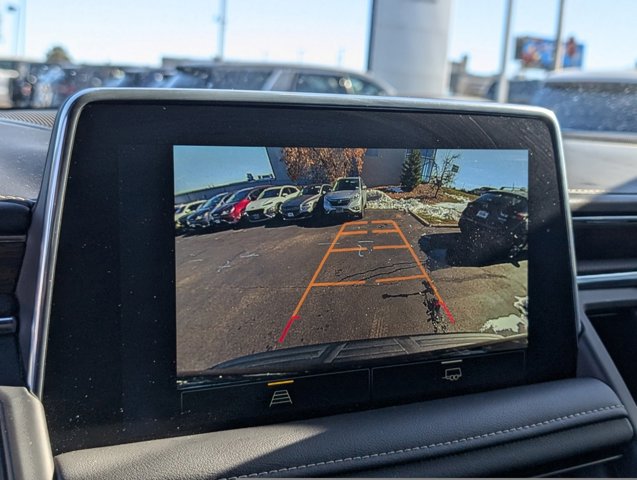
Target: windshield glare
(592, 107)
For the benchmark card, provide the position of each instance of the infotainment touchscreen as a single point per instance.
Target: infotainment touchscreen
(296, 259)
(232, 259)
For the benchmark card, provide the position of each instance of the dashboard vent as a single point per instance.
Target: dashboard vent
(42, 118)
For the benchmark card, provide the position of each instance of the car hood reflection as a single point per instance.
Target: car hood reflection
(297, 359)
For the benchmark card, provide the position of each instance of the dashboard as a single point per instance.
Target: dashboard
(230, 284)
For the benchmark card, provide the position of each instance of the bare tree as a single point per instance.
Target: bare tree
(317, 165)
(444, 173)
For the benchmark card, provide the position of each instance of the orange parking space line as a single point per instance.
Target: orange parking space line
(331, 249)
(358, 222)
(441, 302)
(399, 279)
(295, 314)
(413, 253)
(382, 222)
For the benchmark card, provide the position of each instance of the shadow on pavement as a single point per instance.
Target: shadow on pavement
(446, 250)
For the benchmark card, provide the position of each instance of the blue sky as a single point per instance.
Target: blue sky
(329, 32)
(199, 167)
(489, 168)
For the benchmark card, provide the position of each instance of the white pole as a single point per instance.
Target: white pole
(221, 34)
(558, 61)
(23, 27)
(503, 82)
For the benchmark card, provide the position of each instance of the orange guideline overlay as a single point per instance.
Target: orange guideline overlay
(342, 232)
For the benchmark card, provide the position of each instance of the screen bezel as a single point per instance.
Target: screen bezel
(126, 117)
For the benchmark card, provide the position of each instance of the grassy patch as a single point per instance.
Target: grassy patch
(426, 194)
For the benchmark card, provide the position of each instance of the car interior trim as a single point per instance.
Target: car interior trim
(606, 279)
(46, 260)
(24, 437)
(8, 325)
(602, 461)
(602, 203)
(569, 418)
(606, 219)
(12, 238)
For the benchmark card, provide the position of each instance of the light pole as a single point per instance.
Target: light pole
(221, 33)
(17, 11)
(558, 59)
(503, 82)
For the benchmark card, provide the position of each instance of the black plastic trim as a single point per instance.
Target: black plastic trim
(15, 218)
(481, 434)
(25, 439)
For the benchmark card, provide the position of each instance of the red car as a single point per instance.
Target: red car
(231, 212)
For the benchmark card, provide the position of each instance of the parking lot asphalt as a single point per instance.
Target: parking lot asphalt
(276, 285)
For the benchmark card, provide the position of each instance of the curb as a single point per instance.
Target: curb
(432, 225)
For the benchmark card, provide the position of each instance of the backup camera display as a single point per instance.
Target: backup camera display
(289, 258)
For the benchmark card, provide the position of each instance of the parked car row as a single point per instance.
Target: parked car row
(41, 85)
(347, 196)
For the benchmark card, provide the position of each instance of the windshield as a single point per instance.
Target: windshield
(346, 184)
(238, 196)
(271, 193)
(214, 201)
(600, 107)
(311, 190)
(506, 201)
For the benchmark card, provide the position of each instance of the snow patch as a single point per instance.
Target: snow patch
(510, 322)
(449, 211)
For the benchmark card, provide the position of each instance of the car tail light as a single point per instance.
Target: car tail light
(521, 216)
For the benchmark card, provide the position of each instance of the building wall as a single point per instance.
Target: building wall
(382, 167)
(409, 43)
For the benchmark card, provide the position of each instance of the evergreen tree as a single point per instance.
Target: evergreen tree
(410, 176)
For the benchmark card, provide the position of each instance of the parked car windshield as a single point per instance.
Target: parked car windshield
(311, 190)
(346, 184)
(271, 193)
(238, 196)
(214, 200)
(502, 199)
(239, 79)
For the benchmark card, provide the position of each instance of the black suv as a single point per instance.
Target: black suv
(496, 224)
